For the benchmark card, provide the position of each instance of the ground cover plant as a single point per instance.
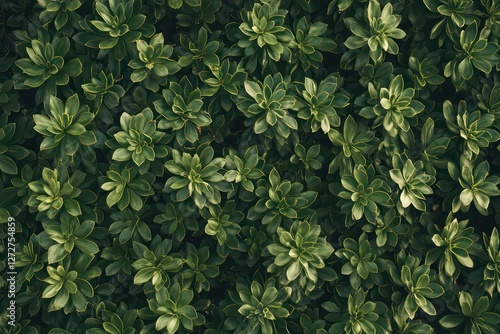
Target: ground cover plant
(233, 166)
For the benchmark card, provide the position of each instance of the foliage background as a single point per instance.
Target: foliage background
(213, 166)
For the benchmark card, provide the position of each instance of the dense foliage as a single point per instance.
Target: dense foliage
(266, 166)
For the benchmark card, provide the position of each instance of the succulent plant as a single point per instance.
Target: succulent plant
(139, 140)
(260, 306)
(377, 35)
(153, 64)
(262, 35)
(319, 103)
(300, 253)
(267, 166)
(68, 286)
(64, 128)
(183, 110)
(266, 106)
(55, 191)
(392, 107)
(114, 24)
(197, 177)
(47, 67)
(127, 188)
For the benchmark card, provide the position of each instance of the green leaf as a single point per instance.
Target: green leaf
(72, 207)
(451, 320)
(56, 253)
(252, 88)
(175, 4)
(73, 68)
(7, 165)
(293, 271)
(87, 246)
